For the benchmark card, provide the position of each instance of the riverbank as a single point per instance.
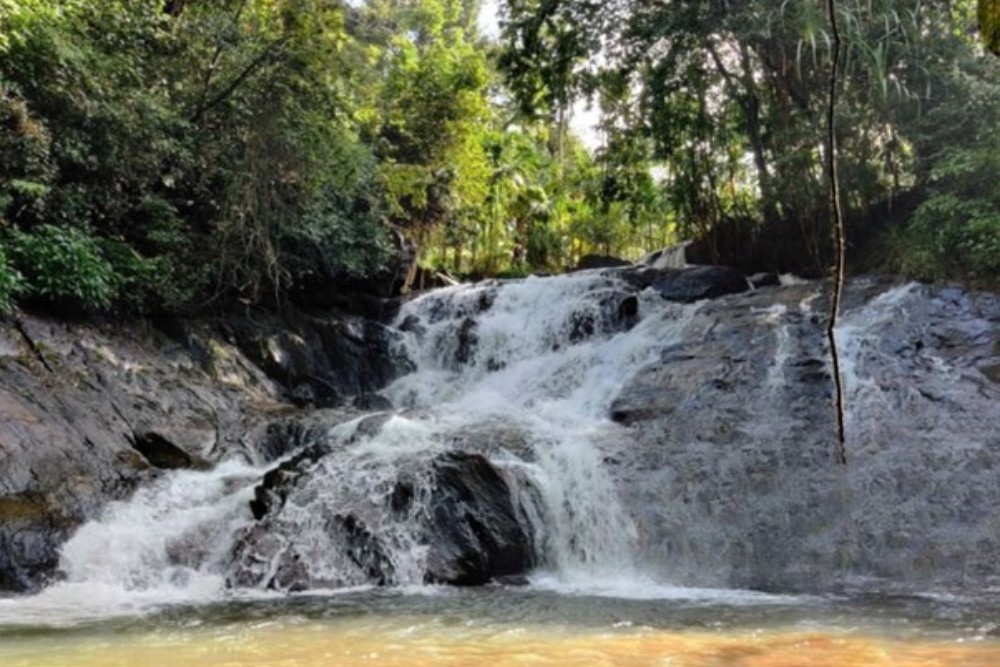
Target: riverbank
(89, 411)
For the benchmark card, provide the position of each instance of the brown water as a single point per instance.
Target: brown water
(504, 627)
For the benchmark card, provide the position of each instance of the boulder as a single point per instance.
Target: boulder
(685, 285)
(456, 506)
(672, 257)
(764, 279)
(600, 262)
(474, 534)
(320, 359)
(700, 282)
(91, 410)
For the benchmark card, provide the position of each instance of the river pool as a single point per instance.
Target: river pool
(511, 626)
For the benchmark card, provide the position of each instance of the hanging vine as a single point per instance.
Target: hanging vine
(839, 234)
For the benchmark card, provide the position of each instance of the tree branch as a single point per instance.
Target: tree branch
(240, 78)
(839, 235)
(213, 63)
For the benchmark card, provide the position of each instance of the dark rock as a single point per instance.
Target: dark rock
(612, 311)
(639, 277)
(600, 262)
(685, 285)
(161, 453)
(759, 280)
(30, 532)
(320, 359)
(467, 341)
(373, 402)
(270, 495)
(474, 535)
(89, 411)
(991, 370)
(412, 324)
(628, 309)
(457, 504)
(697, 283)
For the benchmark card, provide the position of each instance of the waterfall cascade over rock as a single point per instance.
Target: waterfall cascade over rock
(583, 429)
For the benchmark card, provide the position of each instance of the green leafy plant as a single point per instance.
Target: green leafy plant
(63, 266)
(11, 283)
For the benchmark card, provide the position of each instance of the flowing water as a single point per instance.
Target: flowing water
(524, 374)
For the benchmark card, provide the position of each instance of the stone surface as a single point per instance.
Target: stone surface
(455, 507)
(684, 285)
(728, 460)
(89, 411)
(699, 282)
(473, 534)
(600, 262)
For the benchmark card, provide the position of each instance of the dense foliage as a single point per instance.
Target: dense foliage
(170, 155)
(729, 99)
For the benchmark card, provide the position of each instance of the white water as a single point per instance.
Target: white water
(532, 394)
(526, 371)
(171, 542)
(129, 560)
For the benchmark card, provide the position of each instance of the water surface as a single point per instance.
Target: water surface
(504, 626)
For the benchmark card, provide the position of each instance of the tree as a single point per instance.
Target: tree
(732, 96)
(989, 24)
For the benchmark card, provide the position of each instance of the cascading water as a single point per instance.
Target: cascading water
(586, 431)
(522, 373)
(546, 355)
(167, 544)
(600, 436)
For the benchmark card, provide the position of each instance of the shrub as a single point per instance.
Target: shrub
(11, 283)
(63, 266)
(955, 233)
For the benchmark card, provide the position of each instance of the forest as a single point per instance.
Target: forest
(173, 156)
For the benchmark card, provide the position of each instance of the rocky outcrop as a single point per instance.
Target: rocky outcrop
(473, 533)
(687, 285)
(88, 411)
(447, 519)
(729, 463)
(319, 358)
(600, 262)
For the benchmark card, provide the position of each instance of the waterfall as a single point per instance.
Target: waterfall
(521, 372)
(632, 440)
(167, 544)
(545, 355)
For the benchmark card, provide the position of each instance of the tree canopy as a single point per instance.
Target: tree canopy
(183, 154)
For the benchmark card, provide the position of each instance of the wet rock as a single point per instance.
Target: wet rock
(729, 462)
(685, 285)
(768, 279)
(30, 531)
(161, 453)
(610, 311)
(456, 505)
(991, 370)
(474, 535)
(467, 341)
(600, 262)
(321, 359)
(372, 402)
(90, 411)
(697, 283)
